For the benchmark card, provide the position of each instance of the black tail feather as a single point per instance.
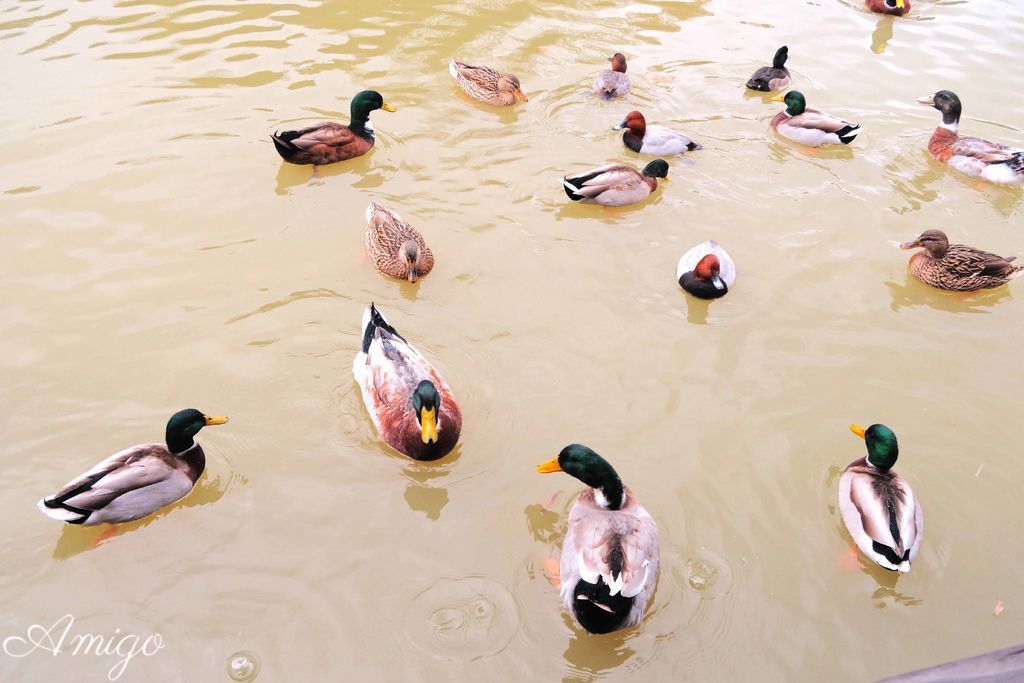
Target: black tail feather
(282, 142)
(597, 610)
(377, 321)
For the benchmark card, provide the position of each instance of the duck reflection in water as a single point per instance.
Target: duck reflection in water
(76, 539)
(420, 494)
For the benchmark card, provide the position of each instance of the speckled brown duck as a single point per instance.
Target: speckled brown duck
(396, 248)
(330, 142)
(956, 267)
(487, 85)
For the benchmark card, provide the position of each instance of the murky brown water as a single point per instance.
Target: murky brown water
(157, 255)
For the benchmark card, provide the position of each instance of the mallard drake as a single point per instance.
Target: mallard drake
(137, 481)
(706, 271)
(896, 7)
(613, 82)
(957, 267)
(329, 142)
(973, 156)
(610, 553)
(810, 126)
(394, 246)
(615, 184)
(878, 506)
(659, 140)
(774, 77)
(410, 403)
(487, 85)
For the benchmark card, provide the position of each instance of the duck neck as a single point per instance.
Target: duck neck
(178, 442)
(360, 122)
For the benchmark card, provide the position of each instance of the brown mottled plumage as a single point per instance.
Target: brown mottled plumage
(487, 85)
(957, 267)
(394, 246)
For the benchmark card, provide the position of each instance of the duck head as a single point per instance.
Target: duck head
(657, 169)
(795, 102)
(934, 242)
(365, 102)
(635, 122)
(586, 465)
(410, 255)
(881, 443)
(510, 83)
(708, 268)
(947, 103)
(618, 61)
(781, 55)
(427, 404)
(184, 425)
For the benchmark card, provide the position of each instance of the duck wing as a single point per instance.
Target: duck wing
(132, 469)
(964, 261)
(326, 133)
(618, 546)
(602, 179)
(884, 513)
(483, 76)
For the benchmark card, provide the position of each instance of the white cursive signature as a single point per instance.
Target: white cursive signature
(53, 640)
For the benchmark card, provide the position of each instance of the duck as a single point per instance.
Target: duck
(706, 271)
(487, 85)
(410, 403)
(610, 555)
(657, 140)
(894, 7)
(137, 481)
(774, 77)
(615, 184)
(810, 126)
(877, 504)
(974, 156)
(956, 267)
(329, 142)
(613, 82)
(396, 248)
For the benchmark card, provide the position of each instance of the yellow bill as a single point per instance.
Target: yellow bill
(387, 107)
(215, 420)
(926, 100)
(899, 4)
(549, 466)
(858, 430)
(428, 425)
(777, 98)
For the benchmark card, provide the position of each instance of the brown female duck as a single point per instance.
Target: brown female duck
(957, 267)
(330, 142)
(395, 247)
(486, 84)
